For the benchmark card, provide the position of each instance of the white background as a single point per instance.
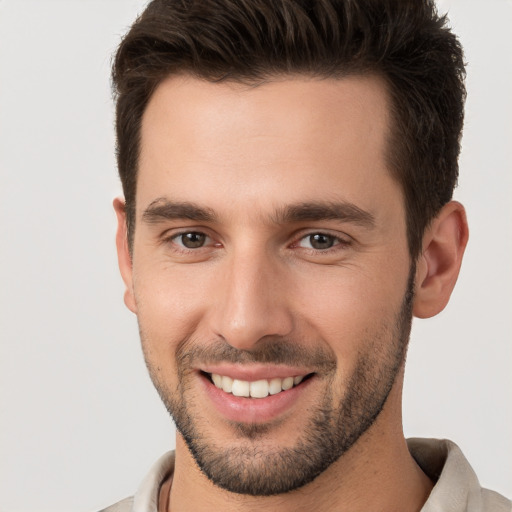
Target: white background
(79, 420)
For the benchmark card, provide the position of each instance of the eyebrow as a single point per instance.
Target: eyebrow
(318, 211)
(162, 209)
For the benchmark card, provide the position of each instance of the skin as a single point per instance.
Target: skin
(245, 154)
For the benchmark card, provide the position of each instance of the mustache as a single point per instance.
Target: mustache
(273, 350)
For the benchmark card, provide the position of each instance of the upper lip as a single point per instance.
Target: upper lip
(254, 372)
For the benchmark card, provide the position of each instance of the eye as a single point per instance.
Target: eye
(191, 240)
(318, 241)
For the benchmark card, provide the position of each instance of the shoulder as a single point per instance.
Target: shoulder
(456, 488)
(494, 502)
(146, 497)
(121, 506)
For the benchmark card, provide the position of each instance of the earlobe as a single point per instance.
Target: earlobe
(438, 267)
(123, 254)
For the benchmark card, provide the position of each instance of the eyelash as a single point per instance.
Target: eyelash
(338, 243)
(181, 248)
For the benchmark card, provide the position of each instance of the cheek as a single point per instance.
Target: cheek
(351, 311)
(170, 306)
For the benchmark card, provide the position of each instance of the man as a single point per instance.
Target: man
(288, 169)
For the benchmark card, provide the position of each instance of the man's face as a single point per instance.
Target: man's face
(270, 244)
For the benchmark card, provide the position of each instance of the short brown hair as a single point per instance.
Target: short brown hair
(404, 41)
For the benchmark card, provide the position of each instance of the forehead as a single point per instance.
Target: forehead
(285, 140)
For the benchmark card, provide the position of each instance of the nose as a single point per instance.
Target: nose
(251, 300)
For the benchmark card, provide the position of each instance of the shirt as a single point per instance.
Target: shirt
(456, 489)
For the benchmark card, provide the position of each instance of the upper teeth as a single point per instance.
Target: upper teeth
(255, 389)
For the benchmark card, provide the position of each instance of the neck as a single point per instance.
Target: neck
(377, 473)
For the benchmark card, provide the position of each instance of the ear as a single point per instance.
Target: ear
(123, 254)
(438, 266)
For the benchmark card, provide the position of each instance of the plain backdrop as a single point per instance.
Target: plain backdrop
(80, 422)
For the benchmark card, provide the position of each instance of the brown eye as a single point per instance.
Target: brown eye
(318, 241)
(192, 240)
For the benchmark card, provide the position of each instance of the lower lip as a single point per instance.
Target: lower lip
(253, 410)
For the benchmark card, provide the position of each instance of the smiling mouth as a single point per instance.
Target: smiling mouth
(255, 389)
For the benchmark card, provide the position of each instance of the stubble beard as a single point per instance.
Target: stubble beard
(247, 466)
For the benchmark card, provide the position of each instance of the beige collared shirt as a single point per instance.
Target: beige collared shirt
(456, 490)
